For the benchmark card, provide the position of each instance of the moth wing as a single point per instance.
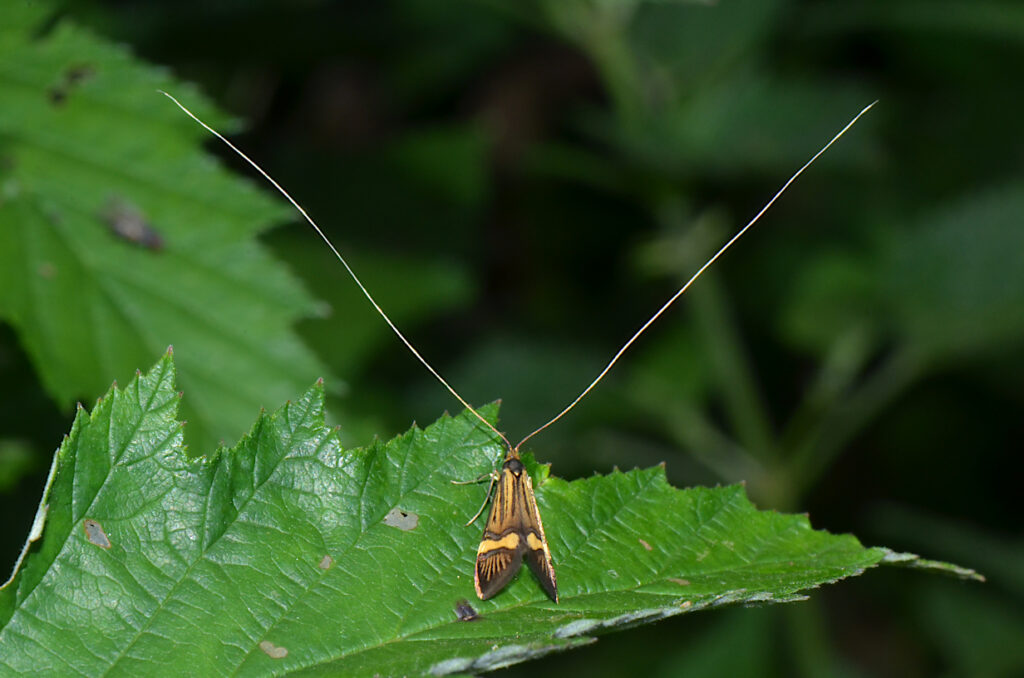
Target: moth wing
(538, 556)
(500, 553)
(495, 570)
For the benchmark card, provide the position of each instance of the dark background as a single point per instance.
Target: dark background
(526, 182)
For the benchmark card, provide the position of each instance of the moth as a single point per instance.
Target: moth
(514, 530)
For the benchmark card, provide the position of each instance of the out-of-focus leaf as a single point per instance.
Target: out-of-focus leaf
(119, 237)
(410, 288)
(737, 643)
(243, 556)
(989, 19)
(835, 294)
(433, 46)
(672, 367)
(744, 122)
(680, 45)
(447, 162)
(952, 284)
(511, 367)
(16, 461)
(977, 634)
(955, 284)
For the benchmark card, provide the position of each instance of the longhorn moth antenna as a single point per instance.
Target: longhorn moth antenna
(700, 271)
(359, 283)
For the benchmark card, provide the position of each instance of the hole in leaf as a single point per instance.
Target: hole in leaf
(273, 651)
(95, 534)
(403, 520)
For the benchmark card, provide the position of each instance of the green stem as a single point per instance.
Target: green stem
(734, 376)
(743, 403)
(601, 32)
(711, 447)
(841, 367)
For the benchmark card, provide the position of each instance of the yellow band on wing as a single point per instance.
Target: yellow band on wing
(509, 541)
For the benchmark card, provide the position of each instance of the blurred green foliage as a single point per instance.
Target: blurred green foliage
(526, 182)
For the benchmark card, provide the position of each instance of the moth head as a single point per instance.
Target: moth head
(514, 465)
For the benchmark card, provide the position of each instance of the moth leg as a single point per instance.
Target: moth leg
(479, 478)
(493, 475)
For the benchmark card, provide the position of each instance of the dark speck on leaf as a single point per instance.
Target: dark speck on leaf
(465, 612)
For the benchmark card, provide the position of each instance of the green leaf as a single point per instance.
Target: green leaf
(410, 289)
(988, 19)
(16, 461)
(954, 283)
(88, 150)
(836, 294)
(742, 122)
(978, 634)
(950, 285)
(284, 554)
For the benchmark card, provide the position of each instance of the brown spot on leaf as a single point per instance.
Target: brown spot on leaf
(273, 651)
(325, 563)
(47, 270)
(77, 73)
(681, 582)
(403, 520)
(685, 604)
(465, 612)
(73, 76)
(57, 95)
(645, 544)
(126, 221)
(95, 534)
